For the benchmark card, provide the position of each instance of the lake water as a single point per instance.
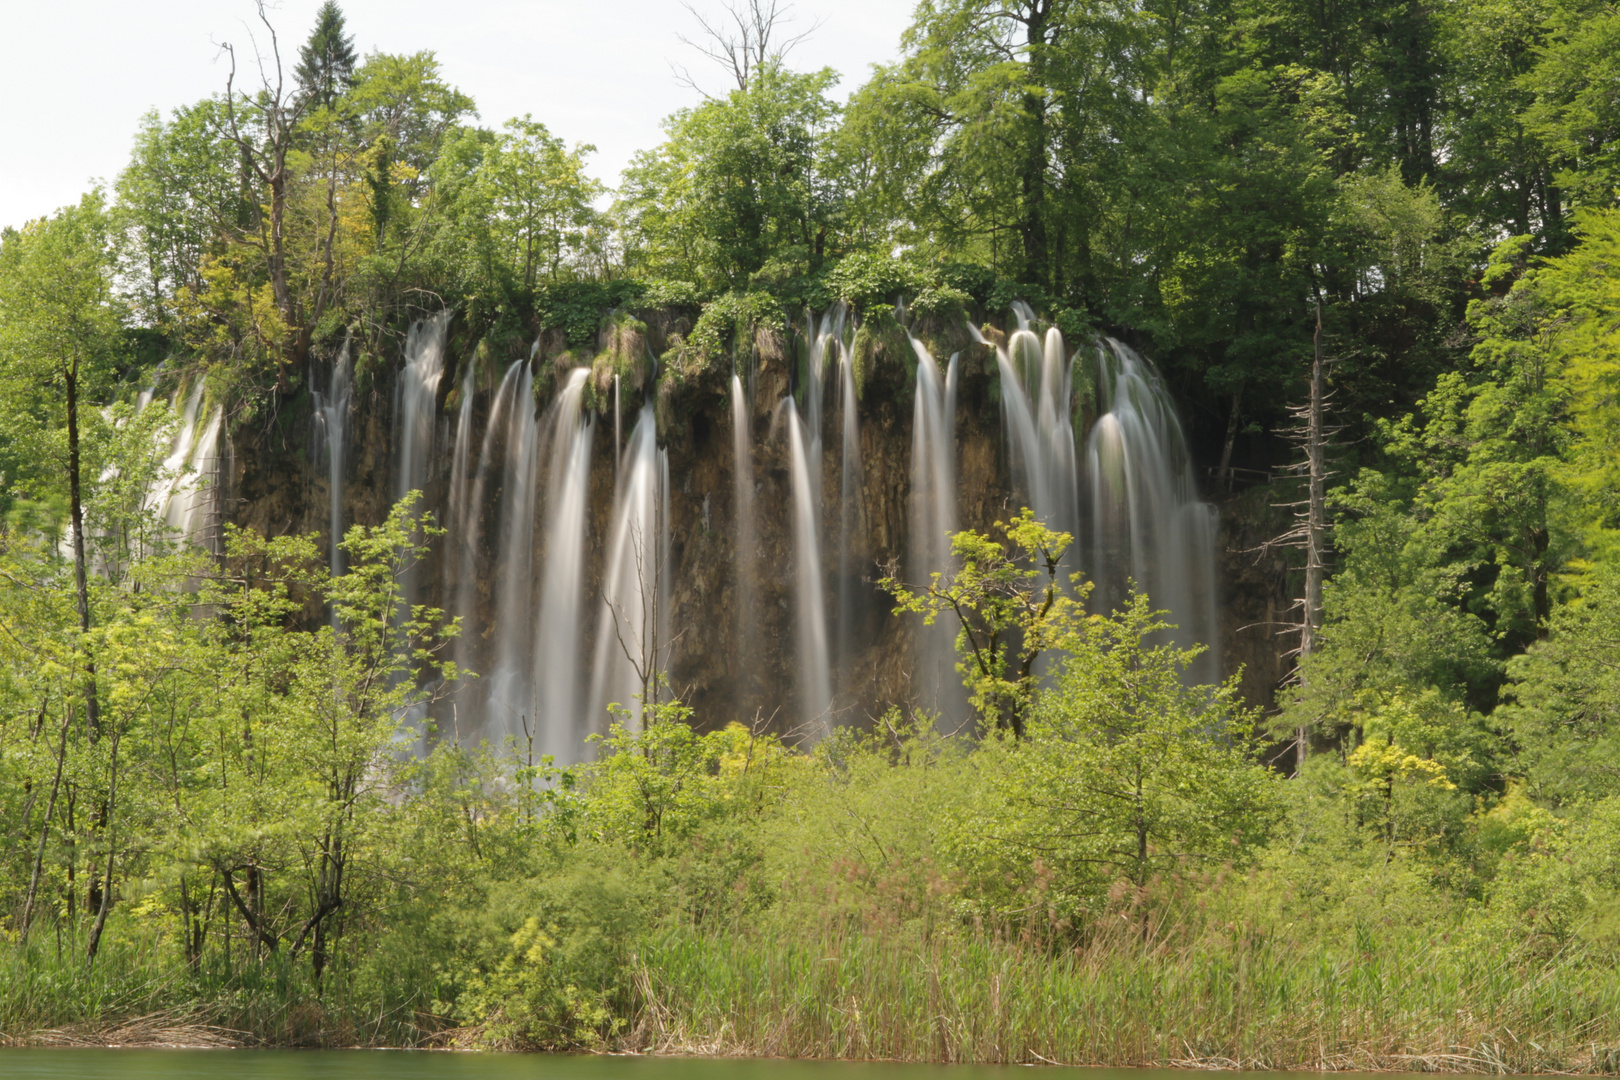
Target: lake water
(134, 1064)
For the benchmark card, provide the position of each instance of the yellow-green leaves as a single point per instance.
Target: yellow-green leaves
(1012, 604)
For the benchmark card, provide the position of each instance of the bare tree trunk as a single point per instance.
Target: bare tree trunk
(1315, 516)
(112, 848)
(1225, 471)
(45, 828)
(81, 581)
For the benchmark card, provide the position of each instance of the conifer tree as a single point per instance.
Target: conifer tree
(326, 62)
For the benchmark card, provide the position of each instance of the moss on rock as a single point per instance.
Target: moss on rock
(882, 351)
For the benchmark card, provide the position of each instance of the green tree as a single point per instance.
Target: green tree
(1575, 115)
(61, 337)
(326, 61)
(742, 186)
(532, 201)
(177, 199)
(1127, 773)
(1012, 606)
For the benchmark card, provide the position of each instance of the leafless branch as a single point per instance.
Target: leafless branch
(750, 35)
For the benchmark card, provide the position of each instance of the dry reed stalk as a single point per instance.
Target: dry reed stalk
(167, 1030)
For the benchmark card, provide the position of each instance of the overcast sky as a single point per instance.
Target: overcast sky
(78, 74)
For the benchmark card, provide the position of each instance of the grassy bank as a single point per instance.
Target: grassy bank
(1122, 885)
(1249, 1002)
(1152, 991)
(139, 994)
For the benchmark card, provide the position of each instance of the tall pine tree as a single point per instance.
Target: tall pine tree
(326, 62)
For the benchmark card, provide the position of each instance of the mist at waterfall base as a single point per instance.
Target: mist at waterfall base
(563, 616)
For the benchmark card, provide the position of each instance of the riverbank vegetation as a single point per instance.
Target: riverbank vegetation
(223, 818)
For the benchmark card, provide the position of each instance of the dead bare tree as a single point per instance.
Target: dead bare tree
(646, 650)
(750, 35)
(263, 127)
(1312, 433)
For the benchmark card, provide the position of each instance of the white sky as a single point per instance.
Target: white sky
(78, 74)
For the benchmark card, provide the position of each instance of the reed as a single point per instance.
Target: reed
(1243, 1000)
(139, 992)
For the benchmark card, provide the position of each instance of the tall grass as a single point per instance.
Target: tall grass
(1234, 999)
(140, 991)
(1181, 980)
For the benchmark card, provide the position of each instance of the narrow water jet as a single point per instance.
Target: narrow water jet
(560, 730)
(632, 640)
(744, 563)
(815, 686)
(933, 518)
(331, 430)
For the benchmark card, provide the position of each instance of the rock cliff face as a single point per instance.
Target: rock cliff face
(728, 659)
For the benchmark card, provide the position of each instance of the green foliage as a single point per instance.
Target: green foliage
(577, 308)
(742, 187)
(1012, 606)
(1127, 773)
(62, 347)
(1564, 696)
(880, 341)
(726, 328)
(326, 61)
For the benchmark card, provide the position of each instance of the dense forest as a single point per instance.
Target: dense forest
(1372, 250)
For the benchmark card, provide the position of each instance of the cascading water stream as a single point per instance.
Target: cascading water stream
(1141, 520)
(416, 425)
(186, 496)
(332, 446)
(1148, 524)
(415, 401)
(815, 683)
(805, 463)
(511, 705)
(851, 513)
(1037, 391)
(467, 509)
(747, 534)
(461, 521)
(933, 516)
(632, 640)
(560, 731)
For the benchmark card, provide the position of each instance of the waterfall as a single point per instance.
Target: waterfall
(186, 494)
(851, 516)
(558, 631)
(747, 535)
(805, 464)
(815, 686)
(510, 705)
(1037, 390)
(632, 641)
(415, 427)
(1143, 521)
(933, 518)
(1148, 524)
(461, 520)
(415, 403)
(331, 436)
